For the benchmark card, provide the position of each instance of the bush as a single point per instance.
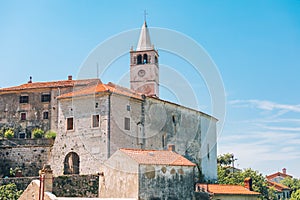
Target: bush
(10, 192)
(9, 133)
(50, 135)
(38, 133)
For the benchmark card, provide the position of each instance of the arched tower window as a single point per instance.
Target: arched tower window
(156, 60)
(145, 59)
(71, 163)
(139, 59)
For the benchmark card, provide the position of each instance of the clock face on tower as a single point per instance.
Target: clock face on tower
(141, 73)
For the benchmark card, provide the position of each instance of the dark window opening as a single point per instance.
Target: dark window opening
(71, 163)
(23, 116)
(70, 123)
(139, 59)
(156, 59)
(24, 99)
(145, 59)
(164, 141)
(96, 121)
(46, 98)
(127, 123)
(208, 151)
(128, 107)
(46, 115)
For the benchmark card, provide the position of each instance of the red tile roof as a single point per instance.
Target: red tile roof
(51, 84)
(271, 176)
(101, 87)
(226, 189)
(278, 187)
(157, 157)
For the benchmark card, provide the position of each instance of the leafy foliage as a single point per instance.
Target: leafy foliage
(296, 195)
(38, 133)
(9, 133)
(292, 183)
(9, 192)
(50, 135)
(225, 159)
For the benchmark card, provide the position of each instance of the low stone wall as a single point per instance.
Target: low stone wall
(76, 186)
(21, 182)
(26, 142)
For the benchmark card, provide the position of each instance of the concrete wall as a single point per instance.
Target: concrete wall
(30, 158)
(119, 178)
(166, 182)
(89, 143)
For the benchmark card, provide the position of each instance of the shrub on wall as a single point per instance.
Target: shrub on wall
(38, 133)
(9, 133)
(10, 192)
(50, 135)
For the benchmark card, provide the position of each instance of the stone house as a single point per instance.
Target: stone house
(229, 192)
(282, 191)
(34, 105)
(147, 174)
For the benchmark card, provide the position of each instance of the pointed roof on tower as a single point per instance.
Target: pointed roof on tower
(144, 41)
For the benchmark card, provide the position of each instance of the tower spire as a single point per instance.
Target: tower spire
(144, 40)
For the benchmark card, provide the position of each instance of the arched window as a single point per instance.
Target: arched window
(145, 59)
(156, 60)
(71, 163)
(139, 59)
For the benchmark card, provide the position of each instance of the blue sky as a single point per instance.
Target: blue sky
(255, 45)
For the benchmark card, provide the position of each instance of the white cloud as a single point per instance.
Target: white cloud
(265, 105)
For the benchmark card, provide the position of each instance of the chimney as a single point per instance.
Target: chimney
(30, 79)
(284, 170)
(46, 178)
(70, 77)
(248, 183)
(171, 147)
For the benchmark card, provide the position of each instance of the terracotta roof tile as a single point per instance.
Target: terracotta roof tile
(278, 187)
(51, 84)
(157, 157)
(271, 176)
(226, 189)
(99, 88)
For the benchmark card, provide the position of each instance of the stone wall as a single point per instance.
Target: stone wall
(166, 182)
(76, 186)
(21, 182)
(30, 156)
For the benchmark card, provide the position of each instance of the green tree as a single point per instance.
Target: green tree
(225, 159)
(9, 192)
(9, 133)
(38, 133)
(50, 135)
(292, 183)
(296, 195)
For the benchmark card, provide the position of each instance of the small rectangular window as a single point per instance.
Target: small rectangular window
(128, 107)
(24, 99)
(46, 115)
(46, 98)
(96, 121)
(23, 116)
(70, 123)
(127, 123)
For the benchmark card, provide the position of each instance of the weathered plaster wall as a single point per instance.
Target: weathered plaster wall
(166, 182)
(192, 132)
(119, 136)
(88, 142)
(119, 178)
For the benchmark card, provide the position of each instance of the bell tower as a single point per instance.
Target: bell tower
(144, 68)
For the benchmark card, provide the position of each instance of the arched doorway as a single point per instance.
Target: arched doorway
(71, 163)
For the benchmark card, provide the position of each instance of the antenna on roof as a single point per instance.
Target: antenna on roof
(97, 70)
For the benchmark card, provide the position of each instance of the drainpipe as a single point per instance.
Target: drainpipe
(108, 126)
(143, 120)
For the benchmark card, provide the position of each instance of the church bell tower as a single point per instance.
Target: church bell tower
(144, 69)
